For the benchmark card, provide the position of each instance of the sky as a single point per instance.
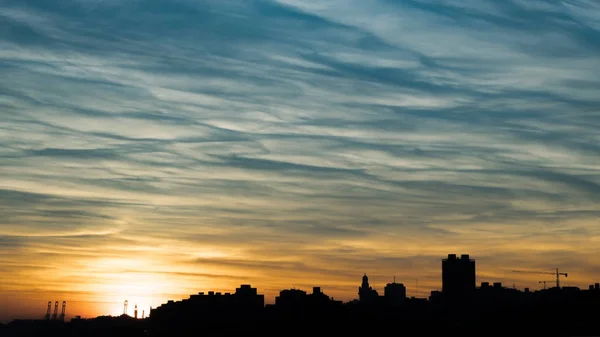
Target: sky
(153, 149)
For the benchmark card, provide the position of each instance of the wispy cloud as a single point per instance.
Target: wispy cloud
(194, 144)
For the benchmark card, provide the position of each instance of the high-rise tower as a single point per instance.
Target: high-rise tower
(458, 276)
(366, 294)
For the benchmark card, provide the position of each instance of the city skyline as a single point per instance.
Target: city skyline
(141, 311)
(150, 149)
(461, 307)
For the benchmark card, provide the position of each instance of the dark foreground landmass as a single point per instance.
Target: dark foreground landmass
(543, 323)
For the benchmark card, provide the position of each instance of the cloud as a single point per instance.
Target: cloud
(191, 145)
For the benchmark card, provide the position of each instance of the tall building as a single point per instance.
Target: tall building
(366, 294)
(295, 299)
(291, 299)
(395, 294)
(458, 276)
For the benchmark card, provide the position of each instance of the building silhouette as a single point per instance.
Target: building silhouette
(458, 277)
(366, 294)
(558, 311)
(395, 294)
(291, 300)
(210, 307)
(299, 302)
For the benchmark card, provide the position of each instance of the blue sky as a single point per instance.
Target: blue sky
(199, 144)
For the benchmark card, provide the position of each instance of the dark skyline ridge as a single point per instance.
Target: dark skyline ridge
(456, 281)
(461, 306)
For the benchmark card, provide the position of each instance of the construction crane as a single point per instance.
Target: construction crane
(556, 273)
(544, 282)
(55, 315)
(63, 311)
(49, 310)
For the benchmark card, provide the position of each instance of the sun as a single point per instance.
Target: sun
(137, 286)
(130, 292)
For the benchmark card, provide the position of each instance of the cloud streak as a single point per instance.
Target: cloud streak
(193, 144)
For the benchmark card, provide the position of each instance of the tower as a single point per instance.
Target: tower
(125, 307)
(458, 276)
(395, 293)
(365, 281)
(364, 287)
(135, 312)
(366, 294)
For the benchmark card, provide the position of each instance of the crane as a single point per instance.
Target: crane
(63, 311)
(544, 282)
(49, 310)
(55, 315)
(556, 273)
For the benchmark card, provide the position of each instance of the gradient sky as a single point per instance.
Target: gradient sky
(154, 149)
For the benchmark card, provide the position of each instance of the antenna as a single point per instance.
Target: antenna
(394, 279)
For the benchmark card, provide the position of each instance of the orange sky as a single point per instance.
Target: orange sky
(96, 277)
